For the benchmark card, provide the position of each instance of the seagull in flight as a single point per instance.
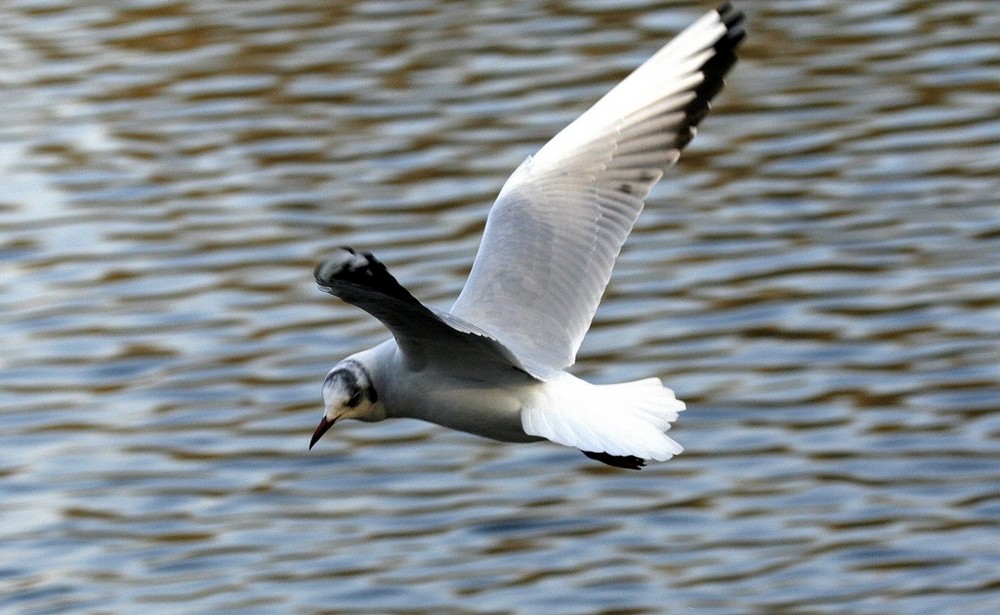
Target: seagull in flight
(495, 364)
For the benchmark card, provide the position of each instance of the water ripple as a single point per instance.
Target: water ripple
(816, 278)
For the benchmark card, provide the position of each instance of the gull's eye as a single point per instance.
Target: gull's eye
(355, 399)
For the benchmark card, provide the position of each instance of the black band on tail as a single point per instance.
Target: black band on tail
(628, 462)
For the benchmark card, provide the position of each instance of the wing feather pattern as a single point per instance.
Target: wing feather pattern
(560, 221)
(423, 336)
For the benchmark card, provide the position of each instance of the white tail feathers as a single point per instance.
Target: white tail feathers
(619, 419)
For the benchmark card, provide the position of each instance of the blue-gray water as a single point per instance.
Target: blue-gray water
(819, 278)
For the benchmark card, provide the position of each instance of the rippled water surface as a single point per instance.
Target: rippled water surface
(819, 278)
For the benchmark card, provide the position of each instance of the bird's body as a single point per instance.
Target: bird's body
(494, 365)
(487, 403)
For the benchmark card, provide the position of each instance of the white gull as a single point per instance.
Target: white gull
(495, 364)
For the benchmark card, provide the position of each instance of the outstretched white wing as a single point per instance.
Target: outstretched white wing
(553, 234)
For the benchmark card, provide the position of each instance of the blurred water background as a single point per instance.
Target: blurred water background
(819, 278)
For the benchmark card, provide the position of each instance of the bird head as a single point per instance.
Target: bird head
(348, 393)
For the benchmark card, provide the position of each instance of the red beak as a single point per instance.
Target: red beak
(324, 425)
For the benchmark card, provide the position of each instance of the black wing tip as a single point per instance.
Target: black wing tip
(725, 49)
(627, 462)
(346, 264)
(348, 268)
(715, 69)
(733, 19)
